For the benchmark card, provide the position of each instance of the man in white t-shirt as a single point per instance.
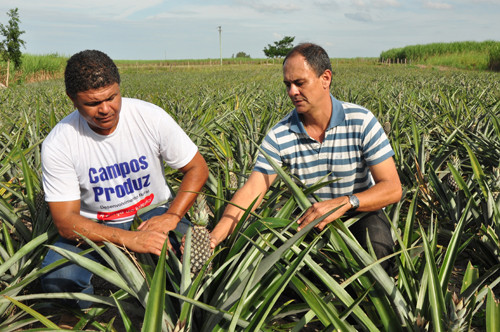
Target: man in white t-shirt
(104, 162)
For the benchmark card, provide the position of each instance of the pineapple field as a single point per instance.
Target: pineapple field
(444, 126)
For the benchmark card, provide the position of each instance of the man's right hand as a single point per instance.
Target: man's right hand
(69, 222)
(147, 242)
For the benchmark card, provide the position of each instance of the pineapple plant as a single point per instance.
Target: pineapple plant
(457, 314)
(40, 200)
(450, 180)
(387, 127)
(200, 241)
(496, 183)
(233, 178)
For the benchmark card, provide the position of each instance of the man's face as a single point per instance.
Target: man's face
(306, 90)
(100, 107)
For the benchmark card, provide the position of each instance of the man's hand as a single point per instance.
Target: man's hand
(163, 223)
(147, 242)
(214, 241)
(67, 218)
(255, 188)
(319, 209)
(387, 190)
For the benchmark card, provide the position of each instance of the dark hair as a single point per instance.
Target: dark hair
(315, 56)
(89, 69)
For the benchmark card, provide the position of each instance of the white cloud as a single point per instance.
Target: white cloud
(493, 2)
(437, 5)
(326, 5)
(273, 6)
(361, 17)
(278, 35)
(111, 9)
(372, 3)
(208, 12)
(386, 3)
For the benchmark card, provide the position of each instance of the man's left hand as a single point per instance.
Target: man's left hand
(319, 209)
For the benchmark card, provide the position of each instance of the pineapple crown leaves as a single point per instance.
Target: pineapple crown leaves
(455, 160)
(199, 213)
(456, 319)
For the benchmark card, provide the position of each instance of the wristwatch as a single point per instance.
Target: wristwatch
(354, 202)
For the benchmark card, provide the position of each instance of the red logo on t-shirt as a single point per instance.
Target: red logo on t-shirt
(126, 212)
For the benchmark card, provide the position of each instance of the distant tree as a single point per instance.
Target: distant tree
(280, 48)
(242, 55)
(10, 47)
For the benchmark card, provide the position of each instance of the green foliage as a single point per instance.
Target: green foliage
(494, 58)
(473, 60)
(39, 67)
(465, 55)
(420, 52)
(280, 48)
(49, 63)
(492, 313)
(242, 55)
(10, 47)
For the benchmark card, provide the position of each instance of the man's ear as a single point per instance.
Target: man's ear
(72, 98)
(326, 79)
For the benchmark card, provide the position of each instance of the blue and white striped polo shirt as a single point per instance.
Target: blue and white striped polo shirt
(353, 141)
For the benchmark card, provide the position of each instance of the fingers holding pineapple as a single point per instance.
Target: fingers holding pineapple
(214, 241)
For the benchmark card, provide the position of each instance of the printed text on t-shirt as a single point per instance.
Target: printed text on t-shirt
(104, 174)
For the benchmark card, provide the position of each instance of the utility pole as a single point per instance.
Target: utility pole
(220, 44)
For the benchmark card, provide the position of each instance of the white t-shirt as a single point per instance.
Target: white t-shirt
(114, 175)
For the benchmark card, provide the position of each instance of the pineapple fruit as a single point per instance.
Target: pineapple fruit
(200, 240)
(452, 183)
(450, 180)
(496, 183)
(40, 200)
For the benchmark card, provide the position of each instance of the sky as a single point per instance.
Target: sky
(189, 29)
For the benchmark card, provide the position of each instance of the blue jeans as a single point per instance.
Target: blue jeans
(70, 277)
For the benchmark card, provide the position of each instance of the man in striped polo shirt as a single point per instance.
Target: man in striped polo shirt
(324, 139)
